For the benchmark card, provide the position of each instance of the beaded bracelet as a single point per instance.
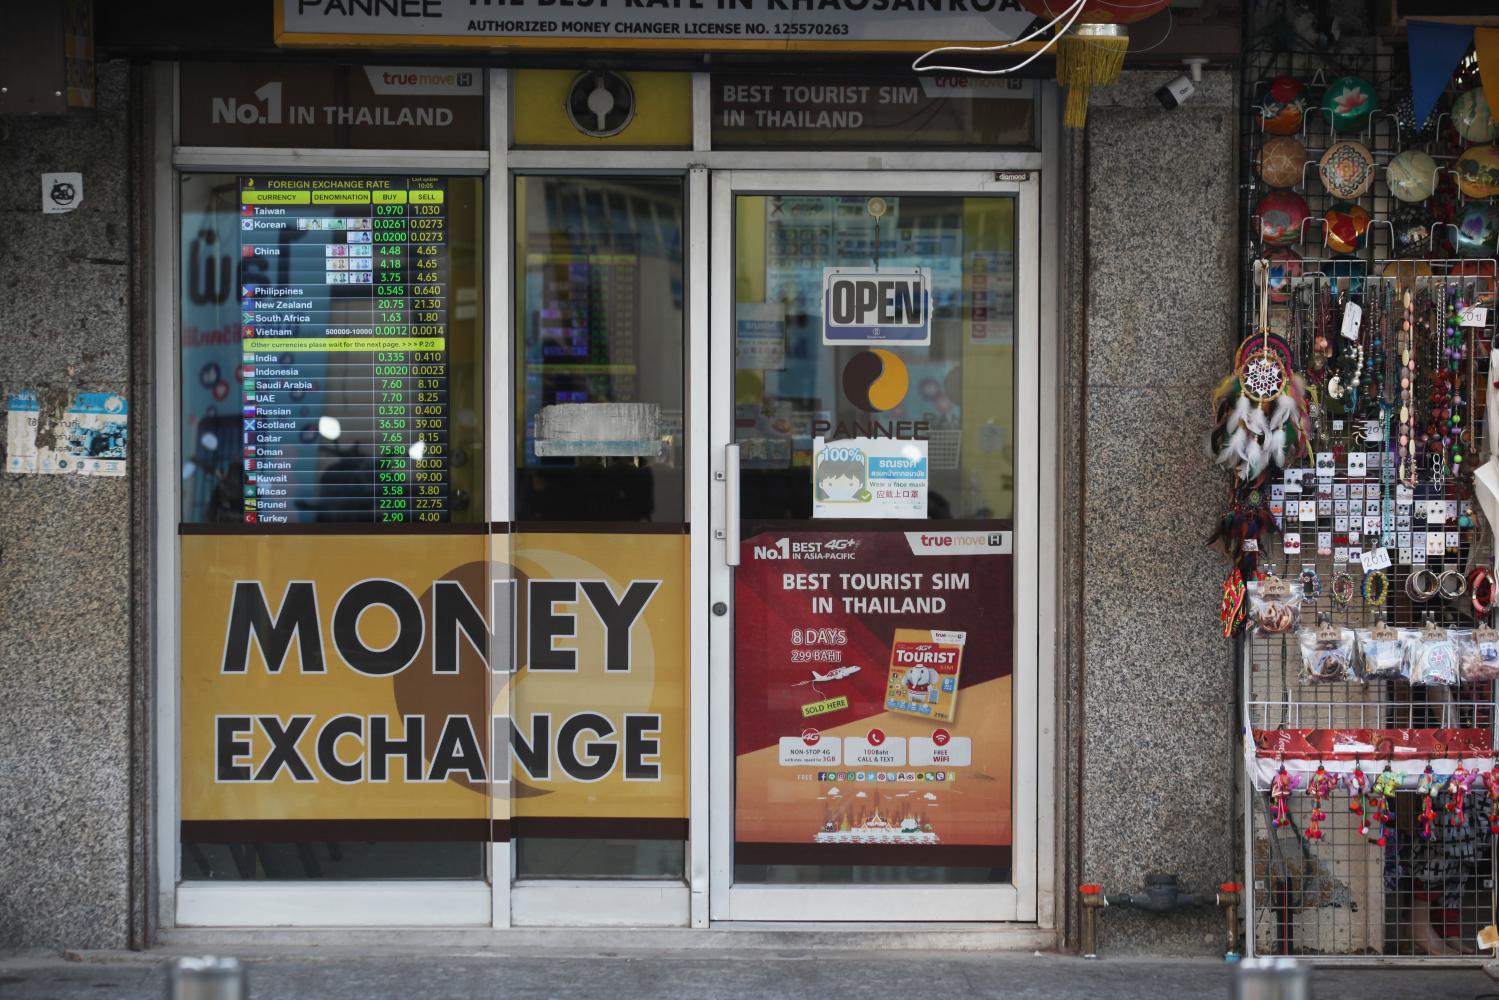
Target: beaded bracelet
(1376, 587)
(1311, 583)
(1343, 589)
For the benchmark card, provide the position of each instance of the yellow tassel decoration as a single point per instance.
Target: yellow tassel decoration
(1091, 55)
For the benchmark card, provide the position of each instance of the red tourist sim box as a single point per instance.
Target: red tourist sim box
(924, 665)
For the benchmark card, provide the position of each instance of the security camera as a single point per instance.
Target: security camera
(1175, 93)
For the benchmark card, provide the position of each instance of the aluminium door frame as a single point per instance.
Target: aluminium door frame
(1016, 901)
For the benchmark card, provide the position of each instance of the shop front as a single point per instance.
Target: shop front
(601, 494)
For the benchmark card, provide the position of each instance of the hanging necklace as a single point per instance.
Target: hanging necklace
(1407, 373)
(1454, 351)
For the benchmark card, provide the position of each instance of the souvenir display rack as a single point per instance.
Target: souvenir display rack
(1380, 865)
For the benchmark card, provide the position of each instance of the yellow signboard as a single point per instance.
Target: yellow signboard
(729, 25)
(431, 687)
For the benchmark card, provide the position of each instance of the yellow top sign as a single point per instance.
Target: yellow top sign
(697, 25)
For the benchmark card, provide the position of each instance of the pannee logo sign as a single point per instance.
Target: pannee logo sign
(876, 305)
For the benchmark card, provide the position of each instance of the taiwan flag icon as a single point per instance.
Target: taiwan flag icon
(247, 210)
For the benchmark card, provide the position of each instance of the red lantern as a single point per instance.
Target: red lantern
(1091, 53)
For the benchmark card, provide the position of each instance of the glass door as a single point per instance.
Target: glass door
(873, 420)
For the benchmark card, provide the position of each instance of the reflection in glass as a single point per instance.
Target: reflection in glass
(599, 320)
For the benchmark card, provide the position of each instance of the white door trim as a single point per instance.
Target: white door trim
(1013, 902)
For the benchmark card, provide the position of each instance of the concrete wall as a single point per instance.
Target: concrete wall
(1150, 255)
(66, 731)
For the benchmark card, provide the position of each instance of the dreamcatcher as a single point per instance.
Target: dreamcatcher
(1262, 412)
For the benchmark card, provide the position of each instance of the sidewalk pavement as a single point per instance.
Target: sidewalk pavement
(438, 974)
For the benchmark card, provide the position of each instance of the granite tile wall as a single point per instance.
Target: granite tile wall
(65, 542)
(1154, 290)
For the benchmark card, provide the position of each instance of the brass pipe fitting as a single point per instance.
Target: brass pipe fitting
(1093, 900)
(1230, 895)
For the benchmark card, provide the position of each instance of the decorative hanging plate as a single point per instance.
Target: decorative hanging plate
(1347, 227)
(1347, 169)
(1281, 160)
(1412, 176)
(1350, 100)
(1477, 228)
(1281, 214)
(1471, 117)
(1282, 105)
(1478, 172)
(1284, 267)
(1412, 229)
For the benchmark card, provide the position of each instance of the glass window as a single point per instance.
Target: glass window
(874, 341)
(599, 321)
(891, 111)
(331, 350)
(957, 393)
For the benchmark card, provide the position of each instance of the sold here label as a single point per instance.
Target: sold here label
(867, 305)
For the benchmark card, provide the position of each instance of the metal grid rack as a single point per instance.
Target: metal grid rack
(1344, 894)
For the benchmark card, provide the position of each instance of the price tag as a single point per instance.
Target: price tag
(1375, 559)
(1474, 316)
(1251, 545)
(1351, 317)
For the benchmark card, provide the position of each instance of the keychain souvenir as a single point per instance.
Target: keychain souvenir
(1281, 787)
(1426, 788)
(1385, 786)
(1491, 785)
(1457, 795)
(1358, 787)
(1320, 788)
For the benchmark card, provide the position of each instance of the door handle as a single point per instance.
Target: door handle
(731, 504)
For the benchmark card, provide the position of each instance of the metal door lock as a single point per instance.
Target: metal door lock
(720, 608)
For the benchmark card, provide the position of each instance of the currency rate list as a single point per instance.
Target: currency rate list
(345, 360)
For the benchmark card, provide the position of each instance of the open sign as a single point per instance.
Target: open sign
(863, 305)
